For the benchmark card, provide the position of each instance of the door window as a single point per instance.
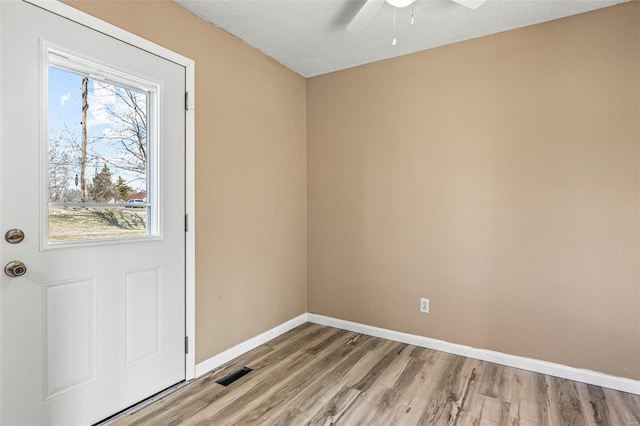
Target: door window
(101, 153)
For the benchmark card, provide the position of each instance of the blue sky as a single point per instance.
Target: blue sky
(65, 98)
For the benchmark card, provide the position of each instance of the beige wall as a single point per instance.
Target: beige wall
(498, 177)
(250, 174)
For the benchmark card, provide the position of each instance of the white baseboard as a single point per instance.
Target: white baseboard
(244, 347)
(538, 366)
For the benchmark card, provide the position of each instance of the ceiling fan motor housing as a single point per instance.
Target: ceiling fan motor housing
(400, 3)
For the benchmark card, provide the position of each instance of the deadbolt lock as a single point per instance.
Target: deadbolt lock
(14, 236)
(15, 269)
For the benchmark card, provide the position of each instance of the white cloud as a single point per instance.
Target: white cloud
(103, 103)
(65, 98)
(100, 99)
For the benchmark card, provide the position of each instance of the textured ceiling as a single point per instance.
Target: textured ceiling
(310, 36)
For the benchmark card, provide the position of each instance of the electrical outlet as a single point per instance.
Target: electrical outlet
(424, 305)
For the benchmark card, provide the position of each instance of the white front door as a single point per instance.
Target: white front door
(92, 172)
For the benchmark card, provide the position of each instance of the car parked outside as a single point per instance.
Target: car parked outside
(136, 203)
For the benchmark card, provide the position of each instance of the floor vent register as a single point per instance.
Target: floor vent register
(234, 375)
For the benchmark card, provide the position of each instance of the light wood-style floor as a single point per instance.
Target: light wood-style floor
(321, 375)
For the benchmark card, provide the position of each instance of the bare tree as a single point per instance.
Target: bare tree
(64, 159)
(60, 173)
(128, 131)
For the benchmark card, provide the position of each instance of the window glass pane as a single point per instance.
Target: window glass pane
(97, 159)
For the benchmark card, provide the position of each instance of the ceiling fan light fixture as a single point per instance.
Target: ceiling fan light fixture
(400, 3)
(471, 4)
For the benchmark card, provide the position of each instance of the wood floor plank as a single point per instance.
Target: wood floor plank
(565, 407)
(481, 406)
(485, 411)
(379, 386)
(450, 393)
(424, 354)
(412, 397)
(496, 381)
(364, 366)
(314, 371)
(385, 370)
(266, 380)
(335, 408)
(390, 398)
(624, 408)
(529, 402)
(317, 375)
(315, 394)
(594, 404)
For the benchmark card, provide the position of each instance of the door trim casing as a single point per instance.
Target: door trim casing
(94, 23)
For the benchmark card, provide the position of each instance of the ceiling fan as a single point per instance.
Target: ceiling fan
(371, 7)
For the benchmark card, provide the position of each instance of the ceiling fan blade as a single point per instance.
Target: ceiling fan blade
(471, 4)
(365, 15)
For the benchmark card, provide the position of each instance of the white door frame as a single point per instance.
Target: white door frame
(92, 22)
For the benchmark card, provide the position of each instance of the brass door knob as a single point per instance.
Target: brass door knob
(15, 269)
(14, 236)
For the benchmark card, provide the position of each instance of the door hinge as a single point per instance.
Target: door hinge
(186, 222)
(186, 344)
(186, 101)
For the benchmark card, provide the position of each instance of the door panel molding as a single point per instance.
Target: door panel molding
(69, 327)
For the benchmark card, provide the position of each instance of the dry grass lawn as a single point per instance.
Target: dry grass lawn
(82, 223)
